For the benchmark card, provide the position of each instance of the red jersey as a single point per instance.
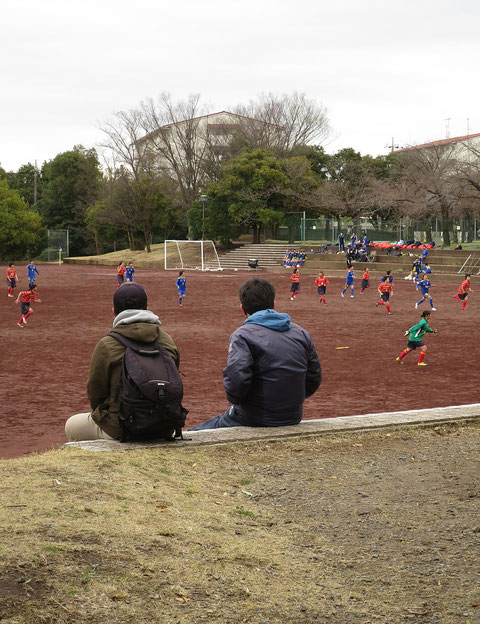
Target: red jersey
(366, 275)
(385, 287)
(321, 281)
(464, 287)
(27, 296)
(295, 278)
(11, 273)
(121, 270)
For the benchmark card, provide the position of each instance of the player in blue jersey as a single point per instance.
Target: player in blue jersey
(349, 283)
(425, 286)
(181, 284)
(388, 277)
(129, 272)
(32, 270)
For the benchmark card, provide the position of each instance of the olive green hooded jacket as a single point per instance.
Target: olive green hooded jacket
(104, 378)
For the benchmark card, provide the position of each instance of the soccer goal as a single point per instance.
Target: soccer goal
(197, 255)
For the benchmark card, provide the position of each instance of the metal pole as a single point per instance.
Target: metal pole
(68, 242)
(303, 229)
(475, 234)
(35, 184)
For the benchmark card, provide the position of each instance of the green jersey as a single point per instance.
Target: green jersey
(416, 332)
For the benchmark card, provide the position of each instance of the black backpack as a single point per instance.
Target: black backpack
(151, 392)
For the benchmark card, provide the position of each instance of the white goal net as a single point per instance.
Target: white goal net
(197, 255)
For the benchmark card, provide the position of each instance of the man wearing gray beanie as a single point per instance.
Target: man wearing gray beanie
(134, 321)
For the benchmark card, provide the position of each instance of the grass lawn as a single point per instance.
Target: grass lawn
(363, 529)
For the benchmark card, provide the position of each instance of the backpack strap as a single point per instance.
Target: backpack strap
(148, 349)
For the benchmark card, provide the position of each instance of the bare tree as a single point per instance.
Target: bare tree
(283, 123)
(177, 142)
(433, 184)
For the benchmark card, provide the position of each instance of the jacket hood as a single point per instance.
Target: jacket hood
(127, 317)
(278, 321)
(139, 325)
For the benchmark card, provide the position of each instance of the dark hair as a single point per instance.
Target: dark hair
(10, 264)
(388, 272)
(426, 313)
(180, 273)
(32, 286)
(256, 294)
(129, 296)
(467, 275)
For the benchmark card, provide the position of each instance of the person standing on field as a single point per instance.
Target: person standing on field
(415, 340)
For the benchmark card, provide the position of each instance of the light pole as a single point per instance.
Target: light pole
(203, 199)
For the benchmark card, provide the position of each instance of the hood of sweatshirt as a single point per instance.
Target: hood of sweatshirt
(278, 321)
(139, 325)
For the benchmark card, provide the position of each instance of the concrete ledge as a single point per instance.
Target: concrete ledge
(345, 424)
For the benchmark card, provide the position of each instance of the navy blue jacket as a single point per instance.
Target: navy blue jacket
(272, 367)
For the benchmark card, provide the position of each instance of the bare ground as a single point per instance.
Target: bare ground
(361, 529)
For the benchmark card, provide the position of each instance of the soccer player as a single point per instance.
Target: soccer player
(415, 339)
(32, 269)
(349, 282)
(129, 272)
(295, 288)
(463, 291)
(425, 286)
(385, 290)
(12, 278)
(25, 298)
(181, 284)
(341, 243)
(121, 269)
(365, 242)
(388, 277)
(365, 281)
(321, 283)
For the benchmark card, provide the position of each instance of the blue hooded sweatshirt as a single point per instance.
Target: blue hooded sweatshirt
(272, 367)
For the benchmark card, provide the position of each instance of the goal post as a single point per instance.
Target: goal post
(198, 255)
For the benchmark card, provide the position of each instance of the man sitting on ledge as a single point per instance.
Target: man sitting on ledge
(132, 320)
(272, 365)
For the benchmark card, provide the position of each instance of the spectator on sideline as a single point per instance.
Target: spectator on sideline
(272, 365)
(132, 320)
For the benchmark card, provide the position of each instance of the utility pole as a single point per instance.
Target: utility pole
(468, 126)
(392, 147)
(447, 127)
(35, 176)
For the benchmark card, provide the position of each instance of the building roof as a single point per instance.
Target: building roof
(459, 139)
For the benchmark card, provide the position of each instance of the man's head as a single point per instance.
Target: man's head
(33, 287)
(426, 315)
(10, 265)
(256, 295)
(467, 277)
(129, 296)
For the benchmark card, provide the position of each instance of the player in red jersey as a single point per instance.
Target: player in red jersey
(385, 290)
(295, 288)
(25, 298)
(121, 270)
(12, 278)
(463, 291)
(365, 281)
(321, 283)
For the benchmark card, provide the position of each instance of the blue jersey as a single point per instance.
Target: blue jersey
(181, 284)
(389, 278)
(350, 277)
(129, 273)
(424, 253)
(424, 286)
(32, 269)
(417, 266)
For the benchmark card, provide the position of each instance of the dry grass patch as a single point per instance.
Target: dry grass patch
(361, 528)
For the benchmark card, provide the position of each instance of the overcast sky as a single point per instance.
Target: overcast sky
(383, 69)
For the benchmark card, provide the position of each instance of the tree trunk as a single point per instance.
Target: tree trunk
(256, 234)
(445, 223)
(148, 239)
(428, 231)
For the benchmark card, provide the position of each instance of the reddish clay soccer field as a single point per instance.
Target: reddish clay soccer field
(44, 366)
